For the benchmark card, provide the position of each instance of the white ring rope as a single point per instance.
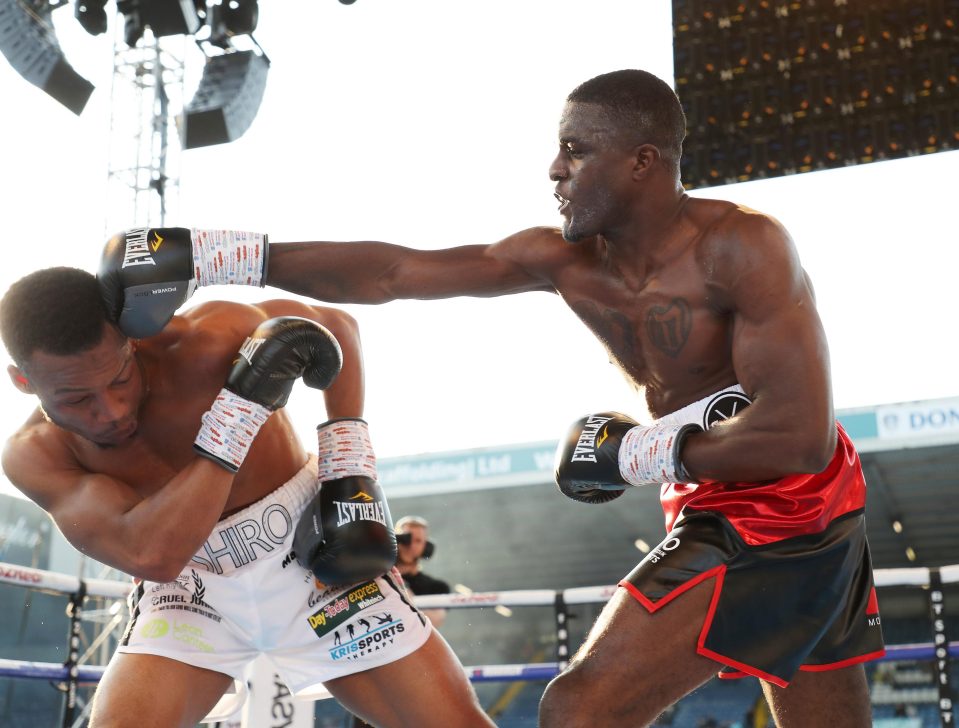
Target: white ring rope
(49, 581)
(53, 582)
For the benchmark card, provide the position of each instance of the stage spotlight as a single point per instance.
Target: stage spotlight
(28, 41)
(92, 15)
(227, 99)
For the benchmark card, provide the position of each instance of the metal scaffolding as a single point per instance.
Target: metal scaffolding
(143, 173)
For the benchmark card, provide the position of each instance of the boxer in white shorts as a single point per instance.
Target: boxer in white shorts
(201, 502)
(312, 633)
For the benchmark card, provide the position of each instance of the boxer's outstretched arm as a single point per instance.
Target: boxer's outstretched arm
(780, 358)
(374, 272)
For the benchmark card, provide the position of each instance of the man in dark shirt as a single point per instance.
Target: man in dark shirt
(413, 544)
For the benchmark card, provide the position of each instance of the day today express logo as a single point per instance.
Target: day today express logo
(334, 613)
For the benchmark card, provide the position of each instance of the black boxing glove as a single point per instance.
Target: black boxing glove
(272, 358)
(345, 535)
(146, 274)
(586, 466)
(606, 452)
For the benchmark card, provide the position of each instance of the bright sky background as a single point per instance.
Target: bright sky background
(432, 123)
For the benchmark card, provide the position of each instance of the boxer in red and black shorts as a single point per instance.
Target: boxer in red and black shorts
(787, 559)
(781, 566)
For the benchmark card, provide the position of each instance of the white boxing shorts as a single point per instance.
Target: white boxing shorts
(244, 594)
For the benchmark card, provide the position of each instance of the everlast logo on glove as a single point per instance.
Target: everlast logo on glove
(138, 248)
(345, 534)
(585, 450)
(248, 350)
(370, 510)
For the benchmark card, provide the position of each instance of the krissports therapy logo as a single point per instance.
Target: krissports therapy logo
(380, 632)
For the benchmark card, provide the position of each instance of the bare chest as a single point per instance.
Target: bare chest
(667, 336)
(161, 448)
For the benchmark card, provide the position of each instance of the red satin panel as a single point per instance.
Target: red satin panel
(773, 510)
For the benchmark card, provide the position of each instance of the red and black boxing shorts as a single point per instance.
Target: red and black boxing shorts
(801, 603)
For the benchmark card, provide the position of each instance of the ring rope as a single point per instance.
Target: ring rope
(48, 581)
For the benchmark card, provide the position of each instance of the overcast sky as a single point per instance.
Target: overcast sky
(433, 123)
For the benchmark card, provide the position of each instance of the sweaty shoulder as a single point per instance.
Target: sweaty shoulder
(32, 453)
(213, 330)
(218, 315)
(540, 250)
(204, 335)
(738, 243)
(226, 322)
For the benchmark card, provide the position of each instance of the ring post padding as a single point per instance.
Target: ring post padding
(75, 613)
(940, 661)
(562, 631)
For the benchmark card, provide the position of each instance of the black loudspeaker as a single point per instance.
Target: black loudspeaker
(28, 41)
(226, 100)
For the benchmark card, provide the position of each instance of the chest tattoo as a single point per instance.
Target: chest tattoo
(668, 327)
(611, 326)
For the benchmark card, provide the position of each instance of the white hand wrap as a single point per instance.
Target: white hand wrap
(650, 455)
(229, 427)
(224, 257)
(345, 450)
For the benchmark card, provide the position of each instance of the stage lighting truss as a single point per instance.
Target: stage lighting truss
(28, 40)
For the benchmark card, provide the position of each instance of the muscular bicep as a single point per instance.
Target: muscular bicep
(91, 514)
(779, 347)
(779, 357)
(87, 508)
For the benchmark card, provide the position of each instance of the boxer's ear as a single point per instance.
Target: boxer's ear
(20, 380)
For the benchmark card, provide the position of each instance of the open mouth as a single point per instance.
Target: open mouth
(563, 202)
